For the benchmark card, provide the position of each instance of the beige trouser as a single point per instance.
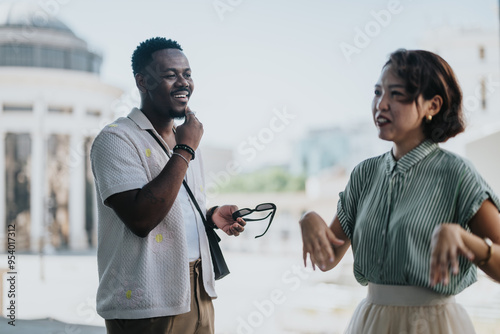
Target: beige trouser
(200, 320)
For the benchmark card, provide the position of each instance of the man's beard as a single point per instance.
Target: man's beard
(177, 115)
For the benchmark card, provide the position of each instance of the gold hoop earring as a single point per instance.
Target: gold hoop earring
(428, 118)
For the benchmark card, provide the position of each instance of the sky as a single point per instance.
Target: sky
(266, 71)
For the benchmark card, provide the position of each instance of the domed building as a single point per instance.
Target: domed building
(52, 104)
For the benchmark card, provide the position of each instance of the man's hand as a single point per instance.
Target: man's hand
(222, 217)
(190, 132)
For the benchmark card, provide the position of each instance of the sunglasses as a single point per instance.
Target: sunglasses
(258, 208)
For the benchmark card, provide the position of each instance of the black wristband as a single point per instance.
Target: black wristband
(185, 148)
(210, 213)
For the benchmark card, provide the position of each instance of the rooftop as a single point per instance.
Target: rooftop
(30, 14)
(32, 36)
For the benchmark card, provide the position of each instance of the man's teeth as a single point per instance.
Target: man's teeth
(382, 120)
(180, 96)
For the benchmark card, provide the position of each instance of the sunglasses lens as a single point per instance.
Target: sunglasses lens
(244, 212)
(265, 206)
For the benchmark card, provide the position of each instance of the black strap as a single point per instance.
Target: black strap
(190, 193)
(218, 261)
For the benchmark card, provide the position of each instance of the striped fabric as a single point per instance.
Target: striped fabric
(390, 208)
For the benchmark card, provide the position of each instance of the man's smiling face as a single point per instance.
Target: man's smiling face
(169, 82)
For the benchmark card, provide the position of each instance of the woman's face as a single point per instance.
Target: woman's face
(397, 119)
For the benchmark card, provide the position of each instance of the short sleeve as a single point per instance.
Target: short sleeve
(472, 191)
(116, 165)
(347, 205)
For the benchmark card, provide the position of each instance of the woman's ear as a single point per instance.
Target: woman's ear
(434, 105)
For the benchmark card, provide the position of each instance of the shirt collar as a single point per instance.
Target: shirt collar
(140, 119)
(411, 158)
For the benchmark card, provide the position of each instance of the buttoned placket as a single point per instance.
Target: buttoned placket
(395, 186)
(396, 174)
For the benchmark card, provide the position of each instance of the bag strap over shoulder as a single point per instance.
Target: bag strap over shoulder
(190, 193)
(219, 264)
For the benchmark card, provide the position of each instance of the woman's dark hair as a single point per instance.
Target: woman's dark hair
(427, 74)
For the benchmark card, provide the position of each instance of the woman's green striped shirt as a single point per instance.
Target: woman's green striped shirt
(390, 208)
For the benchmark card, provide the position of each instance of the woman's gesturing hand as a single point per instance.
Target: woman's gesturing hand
(446, 245)
(318, 241)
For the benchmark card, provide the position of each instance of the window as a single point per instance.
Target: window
(78, 61)
(16, 55)
(60, 110)
(17, 190)
(481, 52)
(17, 107)
(483, 93)
(57, 189)
(53, 58)
(94, 112)
(95, 63)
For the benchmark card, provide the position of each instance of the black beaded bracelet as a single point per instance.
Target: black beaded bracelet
(210, 213)
(185, 148)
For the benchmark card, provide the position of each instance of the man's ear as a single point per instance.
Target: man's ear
(140, 82)
(434, 105)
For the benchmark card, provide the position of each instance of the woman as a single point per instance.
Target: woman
(419, 218)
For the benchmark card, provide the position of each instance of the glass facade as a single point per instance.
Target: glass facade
(78, 61)
(52, 58)
(15, 54)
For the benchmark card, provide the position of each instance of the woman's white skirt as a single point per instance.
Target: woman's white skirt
(391, 309)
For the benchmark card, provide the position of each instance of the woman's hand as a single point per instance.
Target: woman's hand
(318, 239)
(446, 245)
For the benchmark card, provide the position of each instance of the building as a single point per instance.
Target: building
(52, 105)
(336, 147)
(474, 55)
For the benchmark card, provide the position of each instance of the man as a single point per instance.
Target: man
(155, 270)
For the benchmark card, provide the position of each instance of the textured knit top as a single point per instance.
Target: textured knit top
(142, 277)
(390, 208)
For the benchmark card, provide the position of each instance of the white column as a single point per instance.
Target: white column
(2, 192)
(38, 179)
(76, 167)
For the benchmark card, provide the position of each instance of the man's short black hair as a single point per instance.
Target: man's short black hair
(142, 55)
